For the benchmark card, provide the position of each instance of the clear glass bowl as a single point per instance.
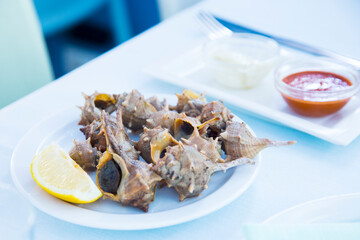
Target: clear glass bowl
(316, 103)
(241, 60)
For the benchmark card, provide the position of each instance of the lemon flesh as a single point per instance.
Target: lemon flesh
(58, 174)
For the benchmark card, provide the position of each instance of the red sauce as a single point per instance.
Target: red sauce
(315, 81)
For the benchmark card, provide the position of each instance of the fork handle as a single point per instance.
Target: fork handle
(294, 44)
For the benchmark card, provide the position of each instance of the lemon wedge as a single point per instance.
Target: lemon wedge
(55, 171)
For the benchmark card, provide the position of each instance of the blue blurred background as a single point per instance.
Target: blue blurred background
(77, 31)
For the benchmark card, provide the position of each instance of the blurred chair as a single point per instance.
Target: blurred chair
(24, 61)
(120, 21)
(143, 14)
(126, 17)
(58, 16)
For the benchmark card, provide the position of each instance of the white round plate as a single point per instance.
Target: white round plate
(340, 208)
(166, 210)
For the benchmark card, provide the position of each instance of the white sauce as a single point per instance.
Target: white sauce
(237, 66)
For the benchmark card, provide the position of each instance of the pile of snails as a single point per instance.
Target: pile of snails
(181, 146)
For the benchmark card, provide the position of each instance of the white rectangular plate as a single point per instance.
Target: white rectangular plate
(185, 68)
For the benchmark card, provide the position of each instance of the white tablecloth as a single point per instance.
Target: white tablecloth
(288, 176)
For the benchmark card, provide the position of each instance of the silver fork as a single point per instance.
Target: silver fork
(211, 26)
(214, 29)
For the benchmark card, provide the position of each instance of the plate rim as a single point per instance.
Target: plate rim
(309, 203)
(94, 215)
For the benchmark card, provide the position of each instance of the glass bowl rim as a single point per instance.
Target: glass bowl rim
(274, 45)
(323, 65)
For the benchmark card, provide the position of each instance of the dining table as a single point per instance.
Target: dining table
(310, 169)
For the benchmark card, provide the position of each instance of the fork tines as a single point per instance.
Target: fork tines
(212, 27)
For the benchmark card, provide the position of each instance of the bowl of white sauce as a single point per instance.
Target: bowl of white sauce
(241, 60)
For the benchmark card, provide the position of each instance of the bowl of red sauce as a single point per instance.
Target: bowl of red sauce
(316, 87)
